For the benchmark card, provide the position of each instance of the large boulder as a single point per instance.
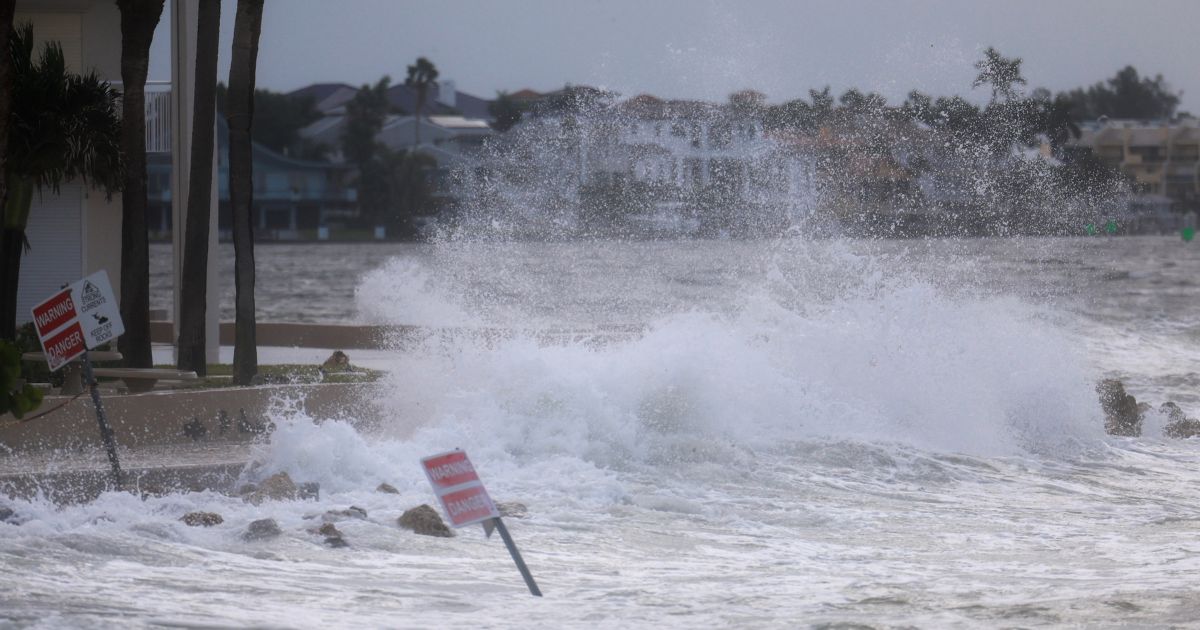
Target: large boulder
(387, 488)
(261, 529)
(1121, 413)
(202, 519)
(1179, 425)
(277, 487)
(426, 521)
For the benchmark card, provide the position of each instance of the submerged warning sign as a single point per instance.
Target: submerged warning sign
(78, 318)
(459, 489)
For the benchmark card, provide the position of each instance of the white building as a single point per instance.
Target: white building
(77, 231)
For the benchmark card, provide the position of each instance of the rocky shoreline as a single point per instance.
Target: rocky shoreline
(1124, 415)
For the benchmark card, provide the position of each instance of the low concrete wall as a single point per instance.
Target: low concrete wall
(372, 337)
(157, 418)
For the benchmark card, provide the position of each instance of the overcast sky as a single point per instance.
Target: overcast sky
(709, 48)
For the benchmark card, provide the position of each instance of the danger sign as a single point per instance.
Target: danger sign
(459, 489)
(78, 318)
(64, 346)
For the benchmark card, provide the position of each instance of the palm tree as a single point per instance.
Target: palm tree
(61, 126)
(247, 26)
(138, 21)
(193, 298)
(7, 8)
(420, 76)
(1001, 73)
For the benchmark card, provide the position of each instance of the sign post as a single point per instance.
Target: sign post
(466, 502)
(81, 317)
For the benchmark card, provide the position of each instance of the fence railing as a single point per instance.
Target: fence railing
(158, 115)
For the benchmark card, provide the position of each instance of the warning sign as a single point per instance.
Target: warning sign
(53, 313)
(64, 346)
(459, 489)
(78, 318)
(99, 314)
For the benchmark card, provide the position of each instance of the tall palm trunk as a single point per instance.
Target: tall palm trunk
(10, 245)
(246, 28)
(417, 118)
(138, 20)
(194, 298)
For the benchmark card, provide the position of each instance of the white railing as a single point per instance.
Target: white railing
(158, 117)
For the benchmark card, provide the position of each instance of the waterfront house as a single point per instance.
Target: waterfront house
(1159, 157)
(293, 198)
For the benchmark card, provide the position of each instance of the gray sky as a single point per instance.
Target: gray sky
(709, 48)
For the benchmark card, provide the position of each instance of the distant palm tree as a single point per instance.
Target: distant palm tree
(194, 298)
(247, 25)
(139, 18)
(61, 126)
(421, 75)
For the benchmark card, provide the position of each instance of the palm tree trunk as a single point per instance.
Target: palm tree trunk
(138, 20)
(417, 119)
(12, 245)
(194, 299)
(246, 28)
(10, 255)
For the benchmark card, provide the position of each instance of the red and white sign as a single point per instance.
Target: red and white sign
(50, 315)
(63, 346)
(78, 318)
(459, 489)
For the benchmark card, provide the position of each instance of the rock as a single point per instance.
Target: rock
(277, 487)
(202, 519)
(247, 488)
(1172, 412)
(6, 515)
(387, 488)
(513, 509)
(309, 491)
(262, 529)
(1178, 425)
(1121, 414)
(351, 512)
(333, 535)
(337, 362)
(424, 520)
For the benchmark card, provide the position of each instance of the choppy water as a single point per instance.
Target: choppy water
(888, 434)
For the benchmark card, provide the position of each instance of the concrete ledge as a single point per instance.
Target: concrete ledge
(374, 337)
(160, 417)
(80, 486)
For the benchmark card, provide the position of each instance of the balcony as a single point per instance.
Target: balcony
(158, 117)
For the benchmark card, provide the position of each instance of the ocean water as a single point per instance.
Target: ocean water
(785, 434)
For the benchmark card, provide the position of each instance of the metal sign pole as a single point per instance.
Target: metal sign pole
(516, 556)
(106, 432)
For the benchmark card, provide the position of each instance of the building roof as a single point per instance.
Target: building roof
(459, 122)
(326, 96)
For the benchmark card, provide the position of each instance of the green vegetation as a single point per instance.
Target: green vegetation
(278, 119)
(18, 399)
(61, 126)
(392, 185)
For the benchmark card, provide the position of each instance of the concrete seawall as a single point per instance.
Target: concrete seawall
(192, 440)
